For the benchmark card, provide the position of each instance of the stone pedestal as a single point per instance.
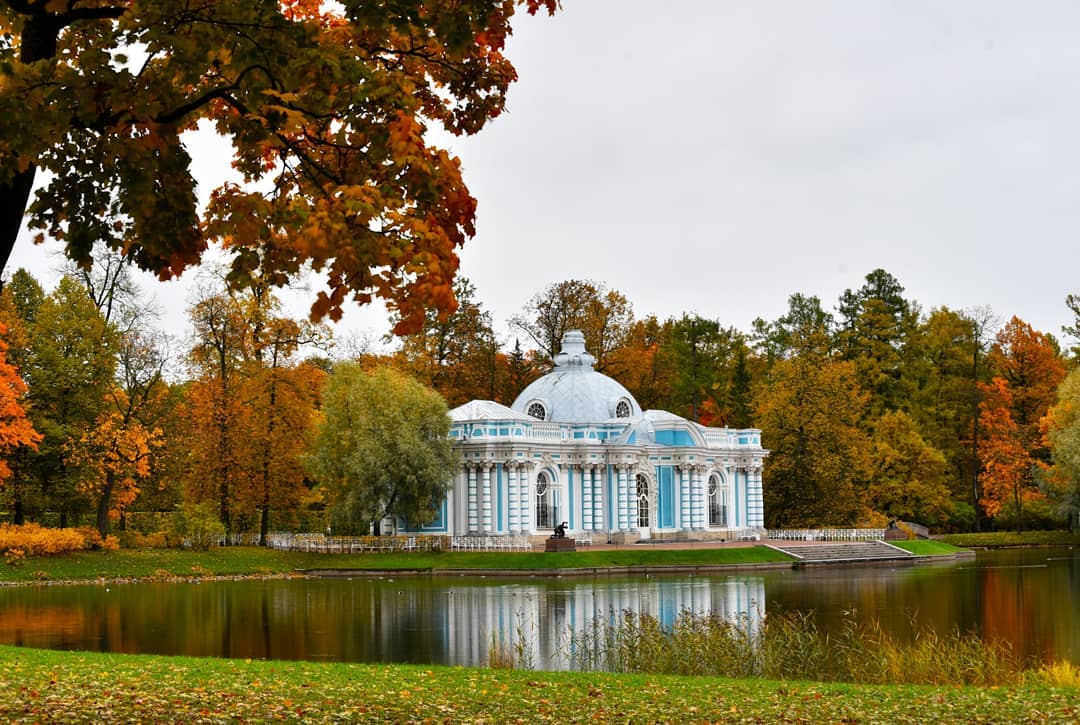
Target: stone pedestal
(560, 545)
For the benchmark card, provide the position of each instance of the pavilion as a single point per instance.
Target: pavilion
(575, 446)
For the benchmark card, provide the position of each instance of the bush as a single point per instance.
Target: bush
(198, 525)
(1037, 515)
(150, 522)
(157, 540)
(36, 540)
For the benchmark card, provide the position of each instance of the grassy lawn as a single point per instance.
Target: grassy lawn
(239, 561)
(926, 548)
(39, 685)
(1011, 538)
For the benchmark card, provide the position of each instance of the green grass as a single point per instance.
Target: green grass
(38, 685)
(255, 561)
(921, 547)
(1011, 538)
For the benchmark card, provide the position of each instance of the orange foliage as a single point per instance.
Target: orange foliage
(116, 452)
(1027, 371)
(36, 540)
(329, 136)
(15, 429)
(1006, 464)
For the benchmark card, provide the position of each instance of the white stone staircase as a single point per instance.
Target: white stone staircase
(846, 552)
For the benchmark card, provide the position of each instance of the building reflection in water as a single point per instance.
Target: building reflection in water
(539, 619)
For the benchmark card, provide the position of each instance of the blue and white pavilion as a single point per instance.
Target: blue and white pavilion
(576, 447)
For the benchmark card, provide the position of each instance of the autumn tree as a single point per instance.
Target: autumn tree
(249, 405)
(123, 449)
(68, 364)
(642, 364)
(604, 316)
(521, 367)
(214, 404)
(809, 411)
(908, 477)
(1027, 370)
(940, 372)
(280, 397)
(382, 448)
(1061, 427)
(326, 106)
(16, 430)
(114, 455)
(455, 355)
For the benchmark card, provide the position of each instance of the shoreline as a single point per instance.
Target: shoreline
(332, 572)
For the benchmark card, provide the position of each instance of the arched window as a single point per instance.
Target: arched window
(642, 502)
(622, 409)
(718, 502)
(546, 509)
(537, 410)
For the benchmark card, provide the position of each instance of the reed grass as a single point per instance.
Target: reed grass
(789, 646)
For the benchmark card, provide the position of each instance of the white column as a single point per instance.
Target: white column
(623, 498)
(474, 520)
(525, 497)
(598, 497)
(486, 496)
(685, 519)
(587, 497)
(512, 496)
(697, 504)
(755, 510)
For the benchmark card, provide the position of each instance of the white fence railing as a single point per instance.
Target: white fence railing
(490, 543)
(320, 543)
(826, 534)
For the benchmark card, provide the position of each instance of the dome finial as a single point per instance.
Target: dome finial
(573, 352)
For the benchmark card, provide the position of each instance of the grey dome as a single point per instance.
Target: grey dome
(575, 393)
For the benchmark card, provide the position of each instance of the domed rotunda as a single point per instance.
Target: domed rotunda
(575, 393)
(576, 448)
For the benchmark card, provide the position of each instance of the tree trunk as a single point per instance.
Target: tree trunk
(1019, 511)
(103, 505)
(36, 42)
(16, 194)
(975, 436)
(18, 517)
(264, 519)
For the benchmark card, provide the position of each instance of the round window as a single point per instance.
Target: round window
(541, 484)
(536, 410)
(622, 409)
(714, 484)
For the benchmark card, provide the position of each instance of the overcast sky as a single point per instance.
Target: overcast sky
(716, 157)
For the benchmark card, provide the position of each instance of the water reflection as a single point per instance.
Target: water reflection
(1027, 598)
(534, 620)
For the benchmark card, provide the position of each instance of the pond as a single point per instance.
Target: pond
(1028, 597)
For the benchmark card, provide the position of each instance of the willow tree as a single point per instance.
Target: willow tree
(382, 448)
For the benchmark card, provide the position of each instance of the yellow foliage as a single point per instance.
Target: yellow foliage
(1059, 674)
(871, 519)
(36, 540)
